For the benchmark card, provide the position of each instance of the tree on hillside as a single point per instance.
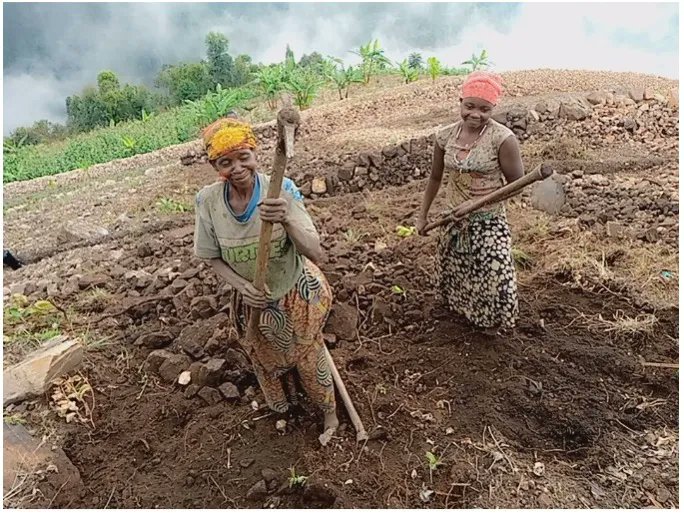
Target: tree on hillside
(107, 81)
(185, 81)
(313, 60)
(86, 111)
(42, 131)
(290, 62)
(244, 68)
(415, 61)
(219, 61)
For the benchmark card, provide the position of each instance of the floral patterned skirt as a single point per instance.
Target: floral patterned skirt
(291, 336)
(476, 271)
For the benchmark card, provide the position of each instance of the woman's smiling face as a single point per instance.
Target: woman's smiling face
(237, 167)
(475, 112)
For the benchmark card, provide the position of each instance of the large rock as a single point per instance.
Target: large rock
(78, 231)
(342, 321)
(598, 97)
(33, 376)
(548, 195)
(24, 454)
(574, 111)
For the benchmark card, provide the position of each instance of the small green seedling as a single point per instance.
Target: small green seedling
(396, 289)
(406, 231)
(296, 480)
(352, 236)
(433, 461)
(168, 205)
(13, 419)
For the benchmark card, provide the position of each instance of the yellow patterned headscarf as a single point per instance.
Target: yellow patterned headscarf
(227, 135)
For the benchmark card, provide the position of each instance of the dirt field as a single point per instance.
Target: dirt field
(559, 413)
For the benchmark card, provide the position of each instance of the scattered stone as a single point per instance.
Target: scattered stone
(246, 462)
(318, 185)
(202, 307)
(211, 373)
(649, 484)
(229, 391)
(92, 280)
(545, 501)
(77, 231)
(192, 348)
(172, 366)
(636, 93)
(615, 229)
(281, 425)
(156, 358)
(33, 376)
(144, 250)
(24, 454)
(155, 340)
(258, 490)
(178, 285)
(346, 172)
(574, 111)
(663, 495)
(305, 189)
(598, 97)
(342, 321)
(191, 391)
(184, 378)
(269, 475)
(210, 395)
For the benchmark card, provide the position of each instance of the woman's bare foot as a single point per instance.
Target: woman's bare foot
(330, 425)
(330, 421)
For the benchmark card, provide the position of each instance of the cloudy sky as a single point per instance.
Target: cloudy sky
(52, 50)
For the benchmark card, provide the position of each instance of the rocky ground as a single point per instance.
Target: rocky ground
(565, 411)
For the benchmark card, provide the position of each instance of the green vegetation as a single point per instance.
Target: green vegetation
(111, 120)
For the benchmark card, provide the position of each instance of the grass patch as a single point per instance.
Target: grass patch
(172, 206)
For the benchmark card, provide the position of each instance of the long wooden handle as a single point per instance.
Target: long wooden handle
(263, 251)
(504, 193)
(348, 404)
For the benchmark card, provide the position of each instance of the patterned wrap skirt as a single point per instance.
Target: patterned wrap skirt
(476, 271)
(291, 336)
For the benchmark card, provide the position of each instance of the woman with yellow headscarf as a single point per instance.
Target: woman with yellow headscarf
(228, 221)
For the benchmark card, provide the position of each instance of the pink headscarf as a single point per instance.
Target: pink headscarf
(484, 85)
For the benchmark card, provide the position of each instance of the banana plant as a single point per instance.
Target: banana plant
(343, 77)
(270, 81)
(304, 84)
(434, 67)
(373, 59)
(476, 62)
(408, 73)
(216, 104)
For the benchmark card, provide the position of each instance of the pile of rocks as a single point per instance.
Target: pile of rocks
(644, 207)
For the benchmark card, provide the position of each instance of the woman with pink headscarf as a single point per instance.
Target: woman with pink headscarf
(476, 273)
